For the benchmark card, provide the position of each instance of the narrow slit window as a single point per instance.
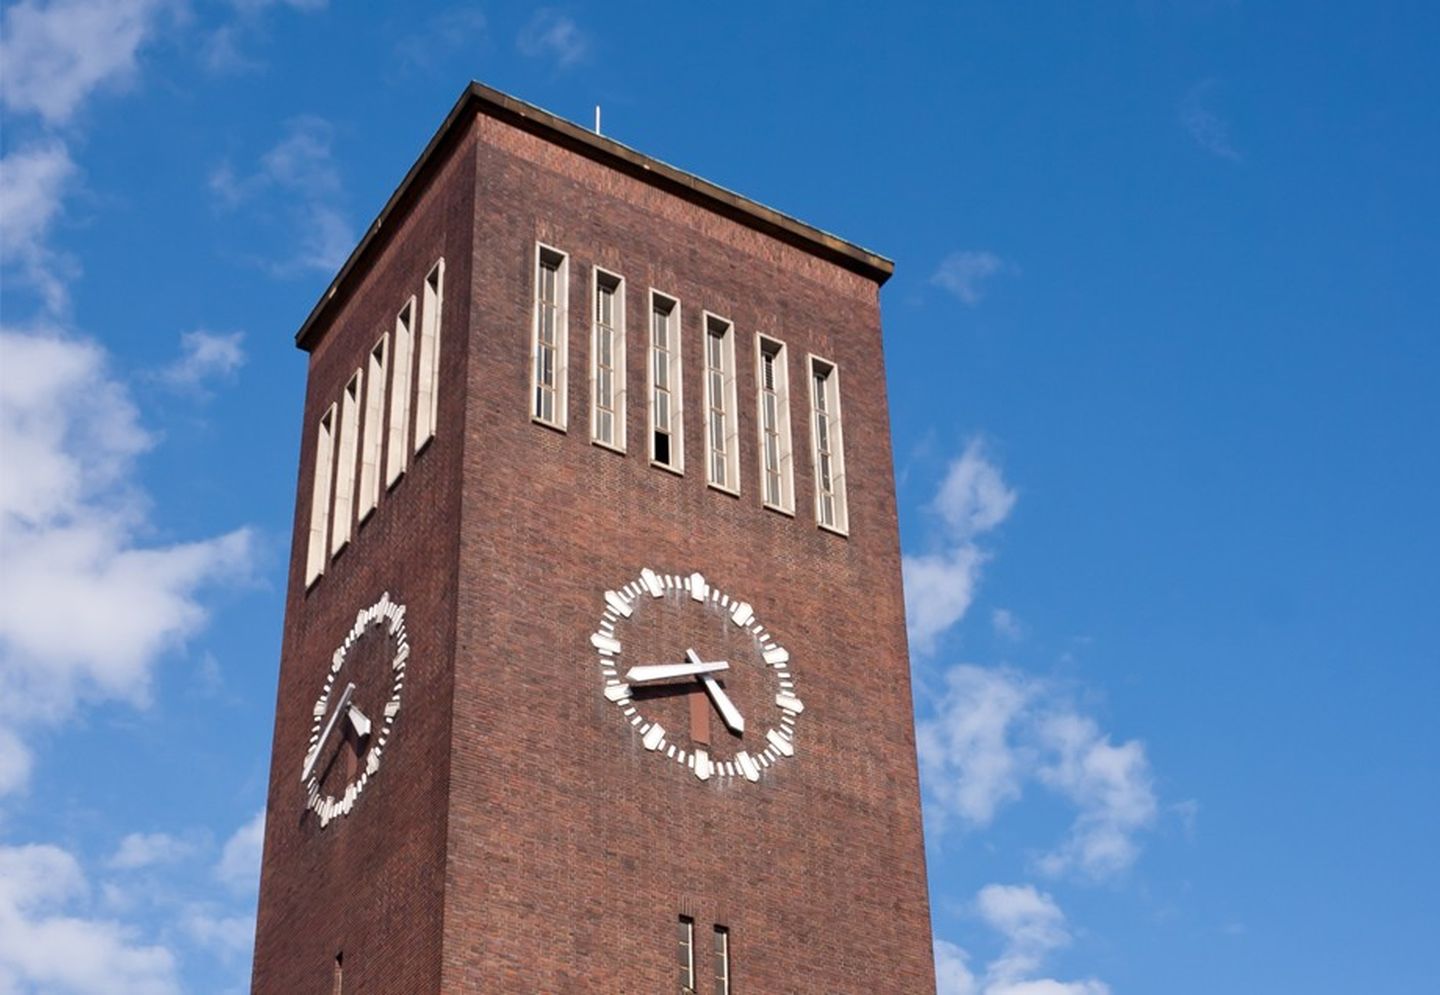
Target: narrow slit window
(345, 464)
(666, 411)
(722, 450)
(551, 337)
(337, 984)
(685, 936)
(373, 429)
(607, 362)
(776, 463)
(320, 497)
(830, 510)
(398, 448)
(722, 960)
(427, 395)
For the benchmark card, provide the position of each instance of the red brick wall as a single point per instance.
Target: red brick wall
(572, 848)
(371, 883)
(518, 837)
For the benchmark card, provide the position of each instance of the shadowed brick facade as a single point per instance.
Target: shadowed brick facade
(519, 837)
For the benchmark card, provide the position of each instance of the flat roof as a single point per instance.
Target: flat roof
(478, 97)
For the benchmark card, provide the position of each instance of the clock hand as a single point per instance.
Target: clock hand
(359, 721)
(662, 671)
(734, 721)
(329, 727)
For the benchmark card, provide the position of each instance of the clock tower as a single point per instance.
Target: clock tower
(594, 674)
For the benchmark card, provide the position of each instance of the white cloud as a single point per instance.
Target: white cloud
(239, 865)
(139, 850)
(205, 356)
(952, 970)
(88, 608)
(972, 500)
(1209, 130)
(300, 172)
(54, 55)
(1031, 927)
(994, 731)
(442, 35)
(33, 181)
(551, 34)
(227, 936)
(966, 273)
(48, 944)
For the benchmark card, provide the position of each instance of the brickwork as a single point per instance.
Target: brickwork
(519, 838)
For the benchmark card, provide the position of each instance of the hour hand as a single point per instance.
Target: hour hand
(647, 673)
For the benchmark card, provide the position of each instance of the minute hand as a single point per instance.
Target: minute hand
(663, 671)
(733, 719)
(334, 717)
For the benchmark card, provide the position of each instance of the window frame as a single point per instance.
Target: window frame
(785, 434)
(343, 515)
(321, 492)
(677, 382)
(721, 967)
(372, 429)
(402, 369)
(619, 399)
(731, 405)
(560, 388)
(427, 382)
(835, 431)
(685, 941)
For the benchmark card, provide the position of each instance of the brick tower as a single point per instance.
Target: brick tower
(594, 674)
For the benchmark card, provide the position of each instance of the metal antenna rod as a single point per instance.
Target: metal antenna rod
(597, 119)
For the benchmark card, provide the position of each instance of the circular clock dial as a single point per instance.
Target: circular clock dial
(356, 711)
(697, 676)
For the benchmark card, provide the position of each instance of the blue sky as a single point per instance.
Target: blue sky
(1162, 354)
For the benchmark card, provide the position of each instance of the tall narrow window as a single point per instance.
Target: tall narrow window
(830, 509)
(686, 942)
(722, 960)
(337, 984)
(551, 336)
(607, 362)
(345, 464)
(427, 395)
(320, 497)
(722, 452)
(666, 411)
(373, 429)
(776, 465)
(398, 448)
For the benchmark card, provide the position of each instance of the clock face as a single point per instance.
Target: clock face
(697, 677)
(356, 711)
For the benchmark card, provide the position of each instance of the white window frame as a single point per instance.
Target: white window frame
(402, 359)
(427, 399)
(315, 557)
(341, 524)
(373, 428)
(676, 381)
(713, 326)
(685, 941)
(599, 277)
(836, 437)
(721, 959)
(562, 339)
(785, 446)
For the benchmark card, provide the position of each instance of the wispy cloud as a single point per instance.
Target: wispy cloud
(204, 357)
(973, 500)
(967, 273)
(1031, 927)
(1204, 124)
(54, 55)
(1006, 625)
(239, 865)
(296, 179)
(139, 850)
(33, 182)
(51, 939)
(551, 34)
(90, 609)
(442, 35)
(994, 732)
